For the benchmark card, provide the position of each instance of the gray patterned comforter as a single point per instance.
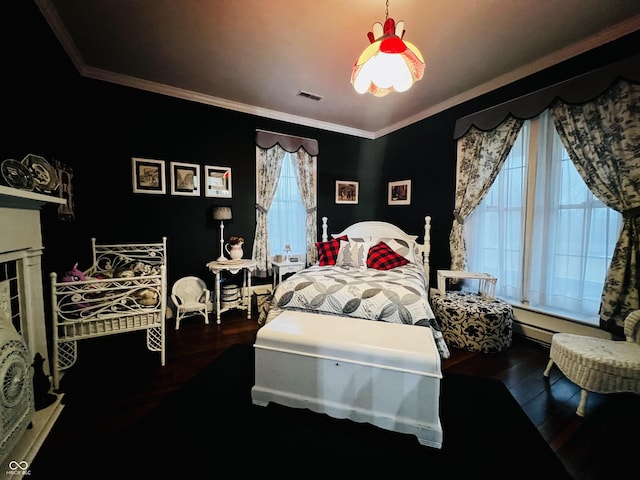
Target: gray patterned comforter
(398, 295)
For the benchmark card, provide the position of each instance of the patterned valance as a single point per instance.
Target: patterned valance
(289, 143)
(580, 89)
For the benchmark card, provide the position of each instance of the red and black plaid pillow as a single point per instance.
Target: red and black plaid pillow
(383, 257)
(328, 251)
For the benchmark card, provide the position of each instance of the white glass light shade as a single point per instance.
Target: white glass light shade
(385, 71)
(389, 63)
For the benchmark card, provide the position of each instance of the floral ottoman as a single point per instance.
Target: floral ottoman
(474, 322)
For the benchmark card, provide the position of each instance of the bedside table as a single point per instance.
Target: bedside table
(282, 268)
(234, 266)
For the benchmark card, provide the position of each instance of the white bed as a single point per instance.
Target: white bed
(354, 336)
(352, 290)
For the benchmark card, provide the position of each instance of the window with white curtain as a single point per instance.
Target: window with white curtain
(541, 232)
(287, 215)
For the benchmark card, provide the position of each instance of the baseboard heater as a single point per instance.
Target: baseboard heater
(533, 333)
(540, 327)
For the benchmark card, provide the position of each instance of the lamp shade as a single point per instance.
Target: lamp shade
(222, 213)
(389, 64)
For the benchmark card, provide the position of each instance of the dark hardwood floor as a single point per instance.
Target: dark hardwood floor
(116, 381)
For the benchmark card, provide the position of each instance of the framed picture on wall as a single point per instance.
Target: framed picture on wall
(400, 192)
(66, 212)
(346, 191)
(185, 179)
(148, 176)
(217, 181)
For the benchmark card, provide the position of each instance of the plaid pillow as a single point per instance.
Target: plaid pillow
(401, 246)
(328, 251)
(382, 257)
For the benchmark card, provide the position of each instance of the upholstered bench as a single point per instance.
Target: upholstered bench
(381, 373)
(474, 322)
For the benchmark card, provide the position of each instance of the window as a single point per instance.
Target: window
(287, 215)
(285, 198)
(541, 232)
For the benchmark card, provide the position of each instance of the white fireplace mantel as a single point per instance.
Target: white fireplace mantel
(15, 198)
(21, 239)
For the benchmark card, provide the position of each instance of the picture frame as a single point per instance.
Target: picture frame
(185, 179)
(400, 192)
(217, 181)
(347, 191)
(148, 176)
(66, 211)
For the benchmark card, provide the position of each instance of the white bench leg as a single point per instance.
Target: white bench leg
(583, 393)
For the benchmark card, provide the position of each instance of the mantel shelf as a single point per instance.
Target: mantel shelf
(16, 198)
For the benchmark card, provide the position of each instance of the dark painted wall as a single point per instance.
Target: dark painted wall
(96, 127)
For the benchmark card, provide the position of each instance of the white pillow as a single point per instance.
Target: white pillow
(353, 254)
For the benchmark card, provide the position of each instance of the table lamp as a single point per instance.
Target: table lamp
(222, 214)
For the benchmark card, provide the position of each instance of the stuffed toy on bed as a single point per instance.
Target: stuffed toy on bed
(132, 269)
(74, 275)
(147, 297)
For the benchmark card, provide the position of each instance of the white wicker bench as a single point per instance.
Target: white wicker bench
(598, 364)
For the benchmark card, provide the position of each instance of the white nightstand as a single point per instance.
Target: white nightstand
(282, 268)
(234, 266)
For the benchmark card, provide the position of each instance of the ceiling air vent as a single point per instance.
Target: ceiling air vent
(312, 96)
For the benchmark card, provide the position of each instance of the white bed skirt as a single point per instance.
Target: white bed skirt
(381, 373)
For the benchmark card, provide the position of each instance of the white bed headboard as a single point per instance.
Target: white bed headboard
(376, 229)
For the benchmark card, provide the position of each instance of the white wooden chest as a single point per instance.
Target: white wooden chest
(381, 373)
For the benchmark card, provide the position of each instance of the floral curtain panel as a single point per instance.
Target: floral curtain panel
(268, 172)
(603, 141)
(480, 158)
(305, 176)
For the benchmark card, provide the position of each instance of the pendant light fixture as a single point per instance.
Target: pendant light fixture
(390, 63)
